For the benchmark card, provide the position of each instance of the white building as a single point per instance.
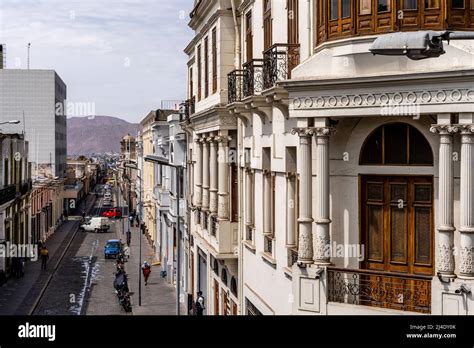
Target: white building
(355, 171)
(37, 98)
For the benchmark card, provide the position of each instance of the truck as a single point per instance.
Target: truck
(96, 224)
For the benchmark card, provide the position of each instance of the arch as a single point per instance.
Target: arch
(233, 286)
(224, 276)
(396, 143)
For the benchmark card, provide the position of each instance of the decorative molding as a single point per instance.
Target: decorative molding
(466, 129)
(303, 132)
(445, 258)
(444, 129)
(320, 247)
(379, 99)
(467, 262)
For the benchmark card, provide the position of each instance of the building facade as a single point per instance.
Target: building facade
(37, 98)
(15, 190)
(353, 172)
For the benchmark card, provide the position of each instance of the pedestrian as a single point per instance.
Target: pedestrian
(65, 214)
(138, 221)
(44, 257)
(146, 269)
(129, 237)
(131, 218)
(126, 252)
(200, 304)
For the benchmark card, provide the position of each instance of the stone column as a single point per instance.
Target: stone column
(205, 174)
(198, 174)
(321, 237)
(445, 249)
(213, 174)
(248, 197)
(290, 210)
(466, 266)
(267, 202)
(223, 159)
(305, 220)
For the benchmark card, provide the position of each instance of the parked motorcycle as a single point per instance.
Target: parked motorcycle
(124, 300)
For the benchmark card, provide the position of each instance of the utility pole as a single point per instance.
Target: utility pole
(28, 56)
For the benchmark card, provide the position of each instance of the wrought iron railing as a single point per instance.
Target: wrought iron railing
(249, 234)
(7, 193)
(214, 226)
(380, 289)
(279, 62)
(236, 85)
(187, 109)
(269, 244)
(253, 79)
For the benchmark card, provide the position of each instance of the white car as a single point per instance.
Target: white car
(96, 224)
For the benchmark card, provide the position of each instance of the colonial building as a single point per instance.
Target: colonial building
(127, 176)
(15, 190)
(353, 172)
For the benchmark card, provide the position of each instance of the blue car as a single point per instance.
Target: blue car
(112, 248)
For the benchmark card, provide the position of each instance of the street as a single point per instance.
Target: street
(79, 280)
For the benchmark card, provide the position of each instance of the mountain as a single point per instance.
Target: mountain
(98, 134)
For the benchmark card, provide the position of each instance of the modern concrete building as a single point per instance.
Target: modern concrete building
(355, 172)
(37, 98)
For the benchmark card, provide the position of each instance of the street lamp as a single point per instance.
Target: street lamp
(10, 122)
(416, 45)
(157, 160)
(134, 167)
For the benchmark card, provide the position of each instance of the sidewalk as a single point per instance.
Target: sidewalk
(158, 297)
(18, 296)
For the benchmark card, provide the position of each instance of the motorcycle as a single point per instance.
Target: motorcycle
(124, 300)
(121, 281)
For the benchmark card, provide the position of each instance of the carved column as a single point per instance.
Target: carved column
(213, 189)
(198, 174)
(223, 159)
(321, 237)
(305, 220)
(445, 249)
(205, 175)
(290, 210)
(466, 266)
(248, 197)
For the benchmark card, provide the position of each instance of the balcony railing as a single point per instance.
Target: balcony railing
(214, 226)
(380, 289)
(279, 62)
(7, 194)
(25, 187)
(253, 77)
(187, 109)
(268, 244)
(249, 233)
(292, 257)
(236, 86)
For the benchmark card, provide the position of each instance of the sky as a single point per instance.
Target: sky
(117, 57)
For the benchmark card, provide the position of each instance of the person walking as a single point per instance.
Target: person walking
(200, 304)
(129, 237)
(44, 257)
(146, 269)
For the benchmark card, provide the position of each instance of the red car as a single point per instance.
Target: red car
(112, 214)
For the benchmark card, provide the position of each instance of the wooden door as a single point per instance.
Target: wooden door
(225, 301)
(249, 36)
(267, 25)
(216, 297)
(397, 224)
(293, 21)
(234, 308)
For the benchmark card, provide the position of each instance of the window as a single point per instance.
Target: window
(249, 36)
(233, 286)
(383, 5)
(365, 7)
(396, 144)
(199, 67)
(346, 8)
(206, 67)
(267, 24)
(214, 60)
(410, 4)
(334, 9)
(458, 4)
(191, 83)
(224, 276)
(293, 19)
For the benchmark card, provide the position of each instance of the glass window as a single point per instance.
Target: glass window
(431, 3)
(365, 7)
(410, 4)
(383, 5)
(334, 9)
(458, 4)
(346, 8)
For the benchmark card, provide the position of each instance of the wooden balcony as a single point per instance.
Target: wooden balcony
(389, 290)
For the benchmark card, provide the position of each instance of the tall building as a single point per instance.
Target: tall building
(2, 56)
(37, 98)
(354, 172)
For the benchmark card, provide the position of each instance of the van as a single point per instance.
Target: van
(96, 224)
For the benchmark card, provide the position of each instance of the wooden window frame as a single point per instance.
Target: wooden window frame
(249, 35)
(293, 21)
(206, 67)
(199, 67)
(267, 25)
(214, 60)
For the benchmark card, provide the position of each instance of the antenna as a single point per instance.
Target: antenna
(28, 56)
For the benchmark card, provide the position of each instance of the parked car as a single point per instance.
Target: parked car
(112, 248)
(112, 213)
(96, 224)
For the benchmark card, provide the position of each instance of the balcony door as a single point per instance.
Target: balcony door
(397, 224)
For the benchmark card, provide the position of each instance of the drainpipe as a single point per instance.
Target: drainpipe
(237, 35)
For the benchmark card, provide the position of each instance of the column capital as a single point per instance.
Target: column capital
(223, 140)
(211, 139)
(317, 131)
(303, 132)
(466, 129)
(444, 129)
(199, 140)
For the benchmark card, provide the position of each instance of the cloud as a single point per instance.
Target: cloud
(123, 55)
